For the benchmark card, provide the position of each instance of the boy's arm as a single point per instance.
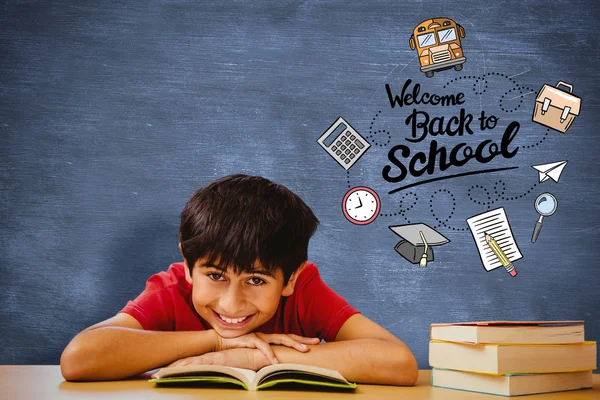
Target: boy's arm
(119, 347)
(363, 352)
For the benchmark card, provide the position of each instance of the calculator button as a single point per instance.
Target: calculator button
(351, 155)
(352, 137)
(343, 147)
(347, 151)
(359, 143)
(348, 143)
(352, 147)
(343, 157)
(334, 148)
(356, 151)
(338, 143)
(338, 152)
(347, 161)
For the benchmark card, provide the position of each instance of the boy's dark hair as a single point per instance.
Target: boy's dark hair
(240, 219)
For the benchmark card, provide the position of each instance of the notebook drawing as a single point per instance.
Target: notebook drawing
(494, 223)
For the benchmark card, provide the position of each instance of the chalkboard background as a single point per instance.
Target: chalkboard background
(113, 113)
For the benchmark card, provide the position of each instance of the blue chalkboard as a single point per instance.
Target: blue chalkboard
(112, 114)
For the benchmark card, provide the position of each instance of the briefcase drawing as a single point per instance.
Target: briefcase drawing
(556, 108)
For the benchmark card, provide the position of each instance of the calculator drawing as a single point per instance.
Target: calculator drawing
(343, 143)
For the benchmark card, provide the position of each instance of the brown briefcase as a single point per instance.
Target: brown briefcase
(556, 108)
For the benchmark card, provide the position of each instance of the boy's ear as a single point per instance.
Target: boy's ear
(188, 276)
(288, 290)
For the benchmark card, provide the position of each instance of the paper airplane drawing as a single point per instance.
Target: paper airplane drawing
(550, 171)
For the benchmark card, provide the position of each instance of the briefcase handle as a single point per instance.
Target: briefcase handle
(565, 84)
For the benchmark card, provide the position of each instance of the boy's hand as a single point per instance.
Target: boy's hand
(252, 359)
(261, 342)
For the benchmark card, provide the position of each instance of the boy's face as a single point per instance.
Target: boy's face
(235, 305)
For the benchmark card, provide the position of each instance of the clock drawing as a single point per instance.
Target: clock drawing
(361, 205)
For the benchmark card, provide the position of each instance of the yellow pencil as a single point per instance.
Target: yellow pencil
(508, 266)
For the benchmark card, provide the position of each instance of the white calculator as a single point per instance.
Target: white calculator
(343, 143)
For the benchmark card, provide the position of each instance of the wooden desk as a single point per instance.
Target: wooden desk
(45, 382)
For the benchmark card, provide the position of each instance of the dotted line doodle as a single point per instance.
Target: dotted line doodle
(485, 203)
(501, 102)
(516, 87)
(496, 189)
(520, 196)
(460, 78)
(485, 82)
(372, 133)
(402, 212)
(348, 179)
(444, 222)
(499, 189)
(540, 141)
(499, 194)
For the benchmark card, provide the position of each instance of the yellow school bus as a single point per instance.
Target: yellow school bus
(438, 45)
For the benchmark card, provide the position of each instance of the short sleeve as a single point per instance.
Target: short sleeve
(153, 308)
(322, 311)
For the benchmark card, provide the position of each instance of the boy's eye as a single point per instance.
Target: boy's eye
(255, 281)
(215, 276)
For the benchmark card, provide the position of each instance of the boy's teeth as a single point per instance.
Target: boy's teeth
(232, 320)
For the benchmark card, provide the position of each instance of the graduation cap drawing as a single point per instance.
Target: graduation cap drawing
(418, 241)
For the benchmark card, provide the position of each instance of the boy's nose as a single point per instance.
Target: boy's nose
(232, 302)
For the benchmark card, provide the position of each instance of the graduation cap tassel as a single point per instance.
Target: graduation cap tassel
(423, 262)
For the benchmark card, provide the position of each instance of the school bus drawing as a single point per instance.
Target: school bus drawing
(437, 42)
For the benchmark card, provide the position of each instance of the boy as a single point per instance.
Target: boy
(244, 296)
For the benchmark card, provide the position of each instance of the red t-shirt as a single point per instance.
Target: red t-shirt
(313, 310)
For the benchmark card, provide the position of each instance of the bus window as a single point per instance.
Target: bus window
(428, 39)
(447, 35)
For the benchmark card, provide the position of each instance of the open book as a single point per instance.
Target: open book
(253, 380)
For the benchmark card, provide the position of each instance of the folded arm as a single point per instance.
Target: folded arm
(119, 347)
(363, 352)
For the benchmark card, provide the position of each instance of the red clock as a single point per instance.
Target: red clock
(361, 205)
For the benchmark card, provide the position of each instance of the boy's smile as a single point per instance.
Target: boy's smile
(237, 304)
(233, 322)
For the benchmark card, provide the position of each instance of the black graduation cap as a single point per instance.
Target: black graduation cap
(418, 241)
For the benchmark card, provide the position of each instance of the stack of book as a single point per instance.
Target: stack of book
(511, 358)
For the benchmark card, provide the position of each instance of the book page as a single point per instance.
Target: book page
(244, 375)
(266, 372)
(495, 223)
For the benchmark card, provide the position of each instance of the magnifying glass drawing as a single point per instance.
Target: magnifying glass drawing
(545, 205)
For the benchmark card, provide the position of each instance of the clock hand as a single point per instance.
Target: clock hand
(360, 203)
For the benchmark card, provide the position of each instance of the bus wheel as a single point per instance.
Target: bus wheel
(458, 67)
(429, 74)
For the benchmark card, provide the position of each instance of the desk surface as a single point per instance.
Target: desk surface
(46, 382)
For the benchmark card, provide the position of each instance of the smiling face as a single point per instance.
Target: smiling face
(236, 304)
